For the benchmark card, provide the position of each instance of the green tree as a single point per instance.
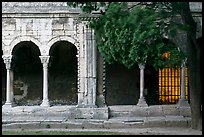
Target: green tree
(132, 36)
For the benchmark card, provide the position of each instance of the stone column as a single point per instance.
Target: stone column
(182, 100)
(142, 102)
(90, 59)
(101, 64)
(87, 65)
(45, 61)
(9, 90)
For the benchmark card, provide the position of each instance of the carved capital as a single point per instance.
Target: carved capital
(184, 63)
(44, 59)
(7, 60)
(141, 66)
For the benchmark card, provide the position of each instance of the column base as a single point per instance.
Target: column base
(183, 103)
(45, 103)
(86, 106)
(8, 105)
(88, 113)
(142, 103)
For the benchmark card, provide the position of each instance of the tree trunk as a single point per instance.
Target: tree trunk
(193, 55)
(195, 85)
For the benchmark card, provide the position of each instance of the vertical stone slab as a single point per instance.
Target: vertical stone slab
(91, 66)
(87, 92)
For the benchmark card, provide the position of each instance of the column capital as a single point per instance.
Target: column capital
(44, 59)
(183, 64)
(141, 66)
(7, 60)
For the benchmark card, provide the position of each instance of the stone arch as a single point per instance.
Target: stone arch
(63, 71)
(3, 50)
(27, 69)
(60, 38)
(24, 38)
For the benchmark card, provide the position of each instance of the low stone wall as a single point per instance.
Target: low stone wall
(150, 111)
(70, 112)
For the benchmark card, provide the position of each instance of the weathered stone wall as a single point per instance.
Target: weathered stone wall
(45, 24)
(39, 30)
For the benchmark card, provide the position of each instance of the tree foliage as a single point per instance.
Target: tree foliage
(134, 36)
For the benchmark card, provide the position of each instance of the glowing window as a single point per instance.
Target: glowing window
(169, 85)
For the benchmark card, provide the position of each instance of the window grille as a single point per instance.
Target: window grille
(169, 85)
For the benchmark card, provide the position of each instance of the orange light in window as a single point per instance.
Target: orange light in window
(169, 85)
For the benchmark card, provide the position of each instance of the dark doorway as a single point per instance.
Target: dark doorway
(27, 70)
(63, 74)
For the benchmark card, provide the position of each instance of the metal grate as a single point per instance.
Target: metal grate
(169, 85)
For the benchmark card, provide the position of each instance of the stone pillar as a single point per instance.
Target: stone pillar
(90, 58)
(45, 61)
(182, 101)
(9, 88)
(101, 81)
(142, 102)
(88, 65)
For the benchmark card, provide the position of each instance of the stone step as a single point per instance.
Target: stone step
(150, 111)
(115, 122)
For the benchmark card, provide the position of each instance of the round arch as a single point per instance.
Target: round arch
(60, 38)
(27, 69)
(63, 72)
(24, 38)
(4, 49)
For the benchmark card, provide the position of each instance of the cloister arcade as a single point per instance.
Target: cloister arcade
(50, 58)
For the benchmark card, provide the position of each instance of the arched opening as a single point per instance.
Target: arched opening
(27, 69)
(3, 78)
(63, 74)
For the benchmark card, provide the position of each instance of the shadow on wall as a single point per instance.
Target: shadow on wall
(123, 85)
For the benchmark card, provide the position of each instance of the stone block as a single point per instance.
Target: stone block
(155, 110)
(185, 111)
(88, 113)
(170, 110)
(139, 111)
(176, 121)
(155, 121)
